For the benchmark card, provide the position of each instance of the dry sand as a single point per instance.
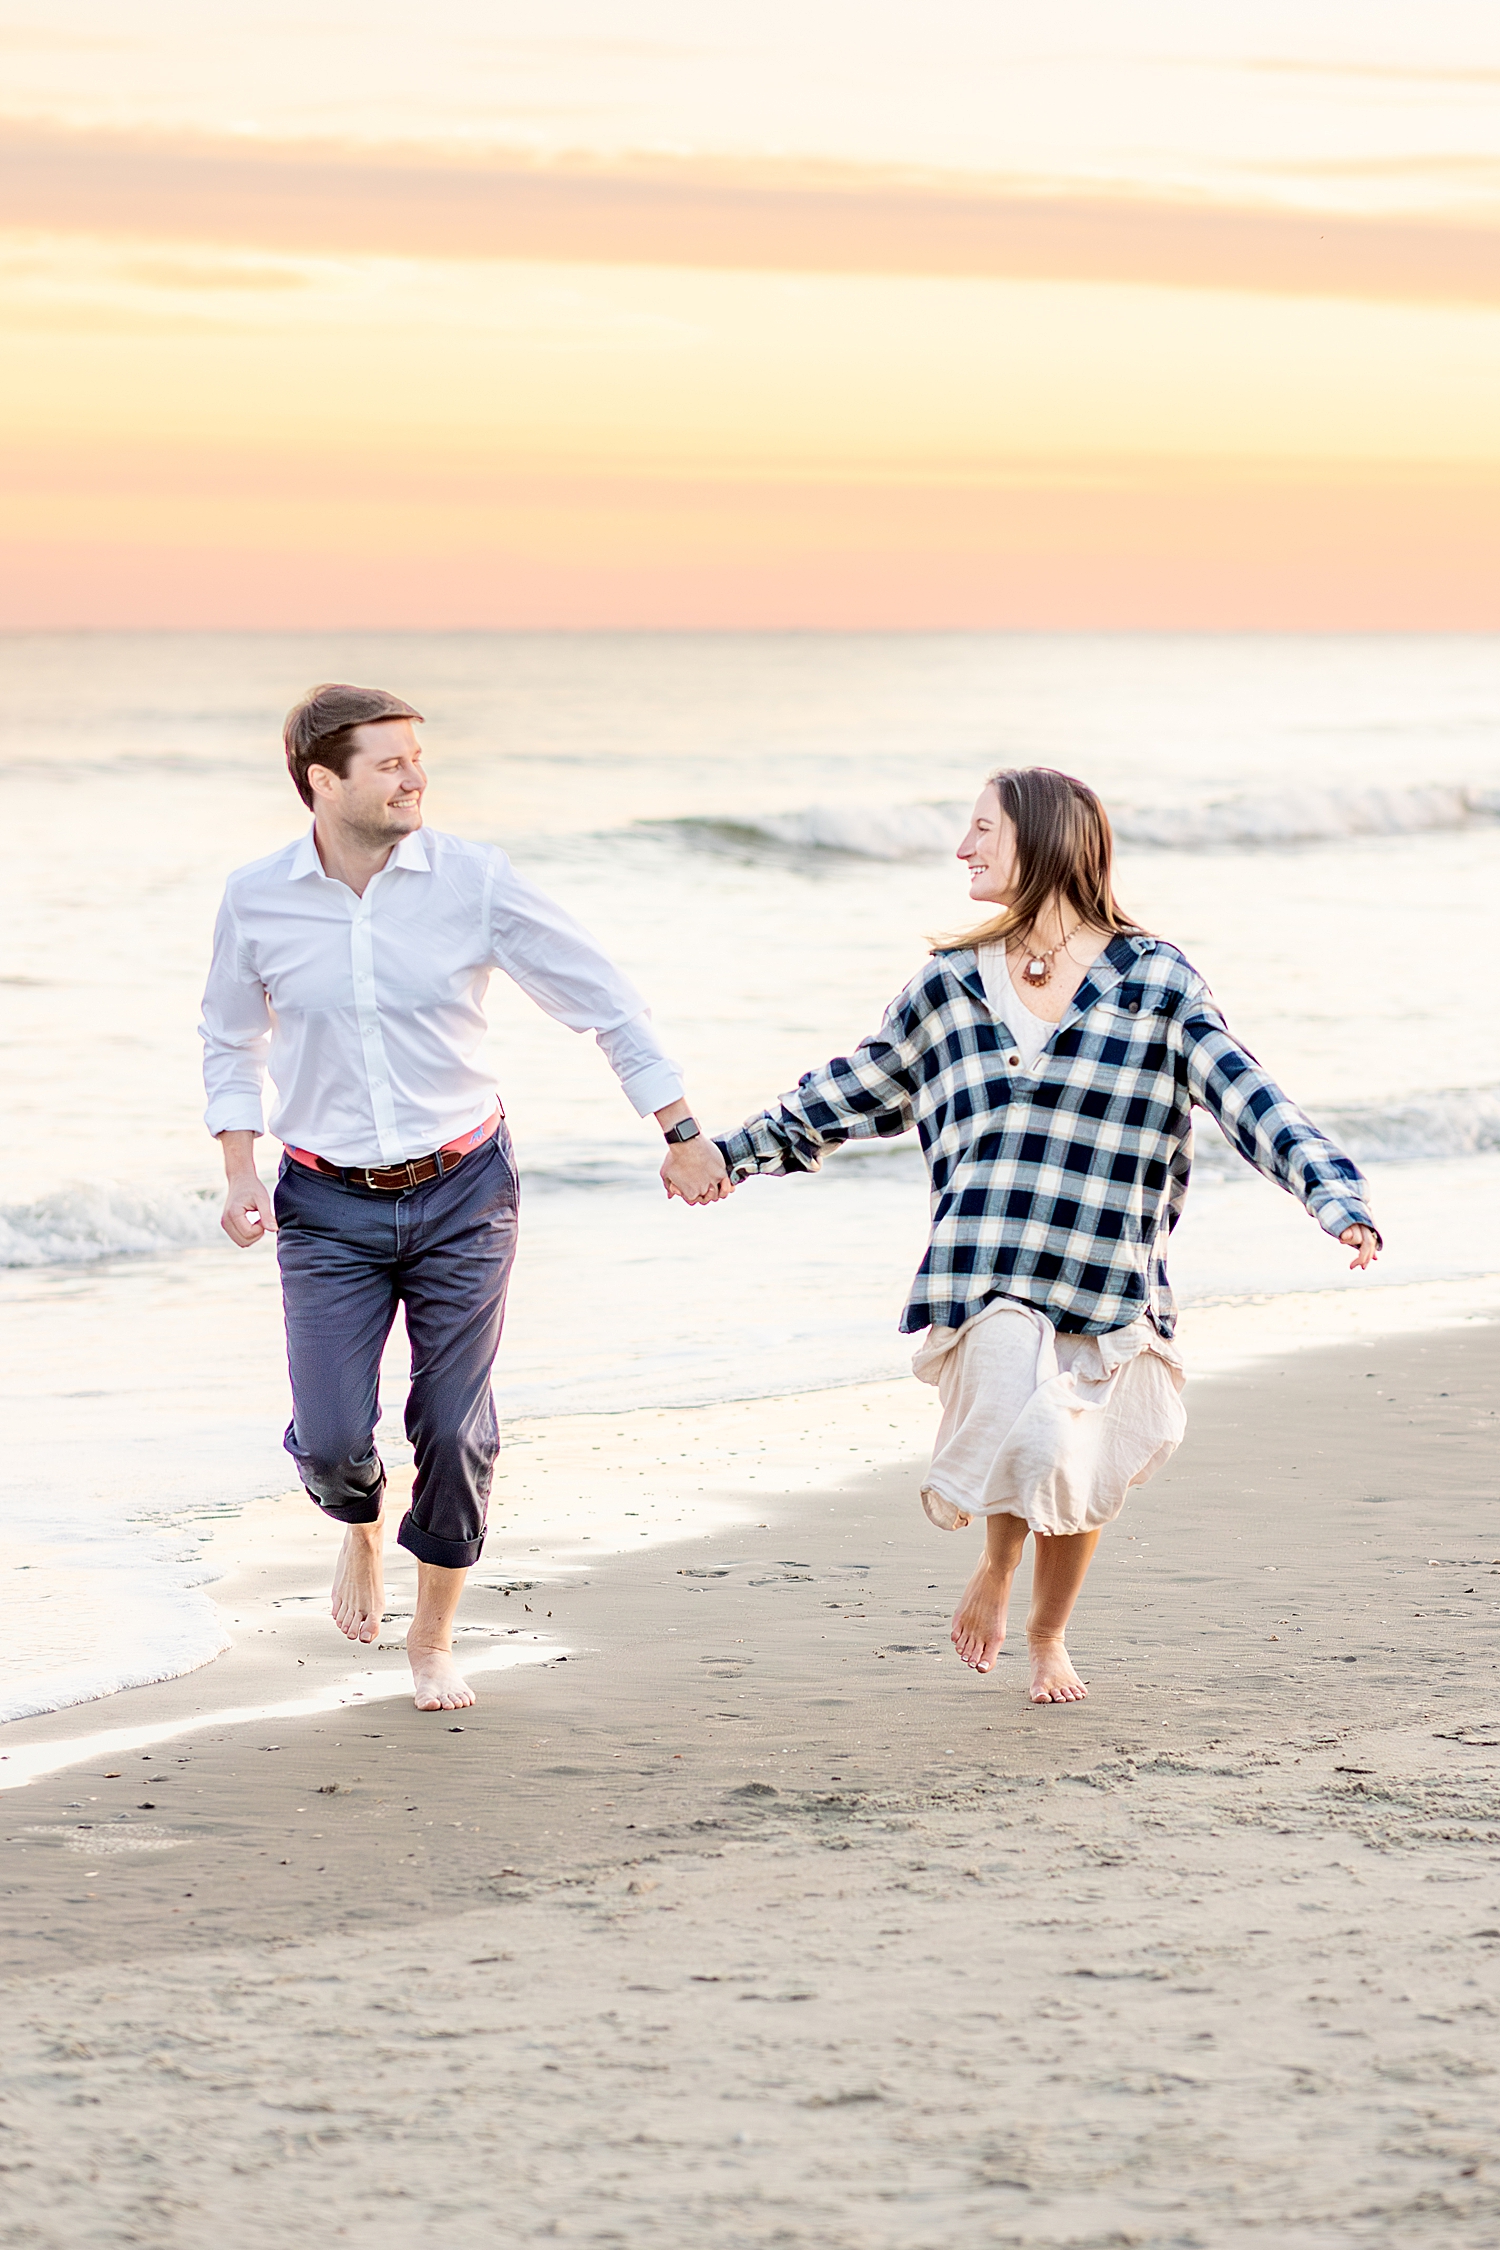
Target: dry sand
(758, 1921)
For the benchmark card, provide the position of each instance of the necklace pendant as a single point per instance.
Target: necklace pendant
(1036, 971)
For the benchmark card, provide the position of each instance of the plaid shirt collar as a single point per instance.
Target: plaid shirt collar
(1119, 957)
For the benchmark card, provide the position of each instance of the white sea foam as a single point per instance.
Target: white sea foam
(79, 1224)
(135, 1612)
(1289, 817)
(30, 1761)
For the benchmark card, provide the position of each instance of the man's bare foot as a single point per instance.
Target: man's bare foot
(358, 1596)
(1053, 1679)
(979, 1621)
(436, 1679)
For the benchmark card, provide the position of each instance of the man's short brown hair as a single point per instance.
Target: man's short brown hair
(318, 729)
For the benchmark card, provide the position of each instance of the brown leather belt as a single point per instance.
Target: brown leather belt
(395, 1179)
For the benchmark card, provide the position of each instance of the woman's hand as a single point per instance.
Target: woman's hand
(696, 1171)
(1365, 1242)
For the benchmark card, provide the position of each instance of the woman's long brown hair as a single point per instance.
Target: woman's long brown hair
(1065, 850)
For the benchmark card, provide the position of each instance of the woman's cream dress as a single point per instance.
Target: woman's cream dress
(1054, 1429)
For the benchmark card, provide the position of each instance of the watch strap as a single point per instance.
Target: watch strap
(686, 1129)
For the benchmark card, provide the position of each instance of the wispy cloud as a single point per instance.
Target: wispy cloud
(199, 274)
(1481, 167)
(41, 39)
(714, 213)
(1406, 74)
(570, 47)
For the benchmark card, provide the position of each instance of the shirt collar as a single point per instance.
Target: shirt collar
(964, 962)
(1116, 961)
(410, 852)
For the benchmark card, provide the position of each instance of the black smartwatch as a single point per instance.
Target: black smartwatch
(686, 1129)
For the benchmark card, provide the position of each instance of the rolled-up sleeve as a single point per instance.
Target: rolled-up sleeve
(571, 978)
(649, 1078)
(236, 1034)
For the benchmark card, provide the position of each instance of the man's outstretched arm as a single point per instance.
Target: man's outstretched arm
(561, 967)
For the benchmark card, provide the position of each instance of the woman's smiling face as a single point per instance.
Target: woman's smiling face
(989, 850)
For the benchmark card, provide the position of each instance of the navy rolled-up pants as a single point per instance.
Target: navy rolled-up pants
(349, 1256)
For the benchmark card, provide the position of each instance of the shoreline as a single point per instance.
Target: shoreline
(1212, 1953)
(807, 1479)
(690, 1460)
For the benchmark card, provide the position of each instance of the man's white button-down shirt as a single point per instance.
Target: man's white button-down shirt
(367, 1012)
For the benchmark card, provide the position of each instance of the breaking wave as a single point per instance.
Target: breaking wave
(1311, 816)
(82, 1224)
(1459, 1121)
(1297, 816)
(858, 832)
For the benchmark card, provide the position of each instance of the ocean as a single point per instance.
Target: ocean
(761, 829)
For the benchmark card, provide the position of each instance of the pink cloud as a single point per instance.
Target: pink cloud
(722, 214)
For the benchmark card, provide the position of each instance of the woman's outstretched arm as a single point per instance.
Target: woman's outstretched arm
(1271, 1132)
(863, 1095)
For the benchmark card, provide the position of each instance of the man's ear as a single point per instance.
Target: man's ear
(321, 780)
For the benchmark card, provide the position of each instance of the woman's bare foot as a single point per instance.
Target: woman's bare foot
(436, 1680)
(1053, 1679)
(358, 1596)
(979, 1621)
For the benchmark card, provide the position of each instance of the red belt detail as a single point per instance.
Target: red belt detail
(394, 1179)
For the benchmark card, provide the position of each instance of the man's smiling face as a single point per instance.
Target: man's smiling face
(378, 798)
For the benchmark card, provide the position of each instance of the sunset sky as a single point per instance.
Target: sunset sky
(839, 313)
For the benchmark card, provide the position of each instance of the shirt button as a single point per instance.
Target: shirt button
(1013, 1060)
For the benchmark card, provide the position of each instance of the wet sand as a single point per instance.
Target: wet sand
(757, 1920)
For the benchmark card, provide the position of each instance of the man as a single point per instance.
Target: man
(351, 965)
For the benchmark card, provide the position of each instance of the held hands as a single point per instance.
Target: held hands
(696, 1171)
(1365, 1243)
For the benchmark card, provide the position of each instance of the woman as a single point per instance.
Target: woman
(1050, 1062)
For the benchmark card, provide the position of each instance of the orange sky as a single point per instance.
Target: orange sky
(670, 318)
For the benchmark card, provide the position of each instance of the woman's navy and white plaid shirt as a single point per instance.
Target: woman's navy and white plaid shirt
(1060, 1184)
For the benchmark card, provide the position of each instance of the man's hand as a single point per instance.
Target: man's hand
(1365, 1242)
(696, 1171)
(247, 1216)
